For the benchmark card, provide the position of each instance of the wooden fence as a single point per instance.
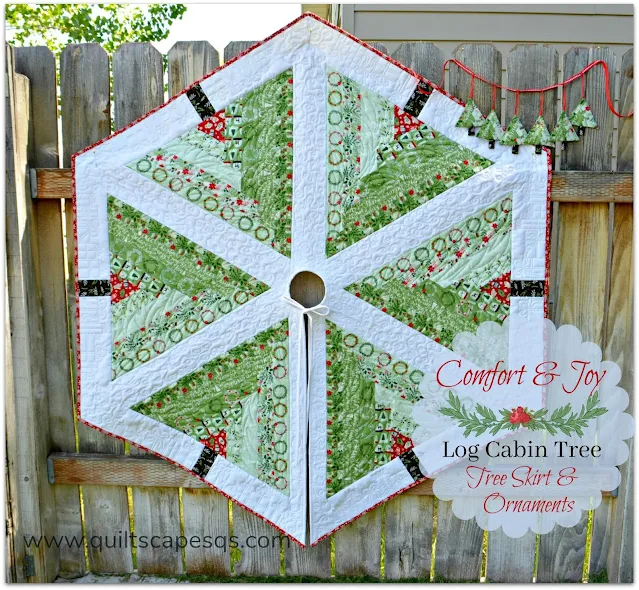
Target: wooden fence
(67, 479)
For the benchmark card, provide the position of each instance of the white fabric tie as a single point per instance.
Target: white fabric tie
(319, 310)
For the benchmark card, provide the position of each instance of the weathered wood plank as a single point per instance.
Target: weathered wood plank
(51, 183)
(86, 118)
(409, 537)
(120, 470)
(206, 514)
(591, 187)
(255, 561)
(380, 47)
(561, 553)
(84, 89)
(31, 497)
(138, 84)
(189, 61)
(235, 48)
(38, 64)
(532, 66)
(358, 546)
(138, 87)
(459, 543)
(424, 58)
(311, 561)
(510, 560)
(625, 144)
(582, 261)
(157, 514)
(567, 186)
(583, 249)
(594, 150)
(612, 540)
(485, 60)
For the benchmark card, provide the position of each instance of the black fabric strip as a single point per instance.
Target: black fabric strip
(411, 462)
(205, 462)
(94, 288)
(418, 99)
(200, 102)
(527, 288)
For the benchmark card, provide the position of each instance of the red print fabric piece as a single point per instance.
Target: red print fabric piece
(404, 122)
(214, 125)
(499, 288)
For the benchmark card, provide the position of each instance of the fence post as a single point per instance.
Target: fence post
(38, 64)
(31, 496)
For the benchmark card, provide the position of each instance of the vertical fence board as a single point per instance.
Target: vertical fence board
(424, 58)
(485, 60)
(613, 522)
(235, 48)
(594, 150)
(188, 62)
(255, 561)
(510, 560)
(561, 553)
(138, 84)
(358, 546)
(408, 537)
(157, 514)
(532, 66)
(206, 513)
(625, 144)
(38, 64)
(84, 84)
(582, 260)
(138, 87)
(380, 47)
(458, 553)
(32, 497)
(311, 561)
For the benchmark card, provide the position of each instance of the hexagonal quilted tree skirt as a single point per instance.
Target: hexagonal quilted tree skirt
(311, 151)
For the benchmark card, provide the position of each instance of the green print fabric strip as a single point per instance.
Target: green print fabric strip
(237, 164)
(451, 283)
(369, 398)
(164, 287)
(377, 174)
(238, 405)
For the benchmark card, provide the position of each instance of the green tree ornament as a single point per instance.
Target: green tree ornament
(491, 129)
(471, 117)
(539, 135)
(582, 117)
(514, 135)
(564, 131)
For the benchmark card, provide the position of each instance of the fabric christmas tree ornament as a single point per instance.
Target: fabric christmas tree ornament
(582, 117)
(491, 129)
(564, 131)
(471, 117)
(192, 222)
(514, 134)
(539, 135)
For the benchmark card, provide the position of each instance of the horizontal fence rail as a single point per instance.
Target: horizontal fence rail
(102, 486)
(567, 186)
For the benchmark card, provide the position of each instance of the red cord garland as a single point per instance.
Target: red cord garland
(546, 88)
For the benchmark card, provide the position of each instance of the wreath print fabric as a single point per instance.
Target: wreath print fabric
(306, 153)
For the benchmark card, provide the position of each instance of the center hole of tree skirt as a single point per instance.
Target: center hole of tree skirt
(307, 288)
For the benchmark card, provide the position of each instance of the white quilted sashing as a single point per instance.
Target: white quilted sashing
(306, 46)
